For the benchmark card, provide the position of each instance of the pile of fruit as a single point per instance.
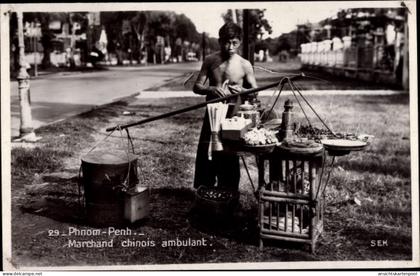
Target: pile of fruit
(260, 136)
(214, 194)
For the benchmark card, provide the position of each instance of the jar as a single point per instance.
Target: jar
(249, 111)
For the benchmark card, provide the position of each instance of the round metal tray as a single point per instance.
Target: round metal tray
(338, 145)
(301, 150)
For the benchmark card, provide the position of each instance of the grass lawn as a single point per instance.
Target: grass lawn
(45, 194)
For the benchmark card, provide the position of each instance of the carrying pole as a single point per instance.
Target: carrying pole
(189, 108)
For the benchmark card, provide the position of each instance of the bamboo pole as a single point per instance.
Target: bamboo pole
(189, 108)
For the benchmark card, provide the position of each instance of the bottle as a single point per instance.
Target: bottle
(248, 111)
(286, 128)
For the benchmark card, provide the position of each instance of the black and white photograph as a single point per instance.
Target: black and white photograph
(209, 135)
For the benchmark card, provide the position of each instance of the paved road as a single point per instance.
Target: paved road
(58, 96)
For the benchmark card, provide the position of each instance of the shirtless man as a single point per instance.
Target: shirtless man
(221, 68)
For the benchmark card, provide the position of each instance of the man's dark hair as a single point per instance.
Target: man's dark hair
(230, 31)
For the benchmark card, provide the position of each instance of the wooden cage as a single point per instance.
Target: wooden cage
(289, 209)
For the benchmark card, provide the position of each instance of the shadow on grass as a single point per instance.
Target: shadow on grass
(58, 199)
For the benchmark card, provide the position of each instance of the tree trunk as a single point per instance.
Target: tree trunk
(46, 42)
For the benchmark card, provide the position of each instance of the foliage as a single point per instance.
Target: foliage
(257, 22)
(128, 31)
(139, 29)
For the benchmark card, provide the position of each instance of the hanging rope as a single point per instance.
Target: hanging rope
(282, 73)
(126, 183)
(100, 141)
(313, 110)
(281, 84)
(322, 173)
(139, 171)
(300, 105)
(130, 140)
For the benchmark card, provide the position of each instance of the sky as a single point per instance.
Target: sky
(282, 16)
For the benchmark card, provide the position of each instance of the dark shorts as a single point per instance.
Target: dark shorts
(222, 171)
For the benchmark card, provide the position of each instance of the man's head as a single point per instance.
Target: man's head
(230, 36)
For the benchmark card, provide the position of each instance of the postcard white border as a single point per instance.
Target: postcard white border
(6, 144)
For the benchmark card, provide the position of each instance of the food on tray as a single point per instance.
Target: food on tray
(317, 134)
(301, 143)
(312, 132)
(260, 136)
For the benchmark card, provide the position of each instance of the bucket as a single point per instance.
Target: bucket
(106, 175)
(136, 203)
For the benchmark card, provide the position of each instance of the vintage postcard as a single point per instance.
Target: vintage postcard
(209, 135)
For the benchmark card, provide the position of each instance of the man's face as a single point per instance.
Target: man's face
(229, 46)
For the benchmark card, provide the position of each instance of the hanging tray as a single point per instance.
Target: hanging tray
(301, 149)
(339, 147)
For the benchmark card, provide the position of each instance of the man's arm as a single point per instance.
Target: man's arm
(249, 74)
(199, 86)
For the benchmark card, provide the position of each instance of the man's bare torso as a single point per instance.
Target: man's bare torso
(233, 70)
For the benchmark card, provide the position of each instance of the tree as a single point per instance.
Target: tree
(258, 23)
(47, 35)
(253, 31)
(138, 23)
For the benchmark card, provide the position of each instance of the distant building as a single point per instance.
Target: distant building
(365, 44)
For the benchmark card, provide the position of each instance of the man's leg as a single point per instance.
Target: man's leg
(227, 169)
(204, 168)
(205, 173)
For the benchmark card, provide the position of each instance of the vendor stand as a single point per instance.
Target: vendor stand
(291, 203)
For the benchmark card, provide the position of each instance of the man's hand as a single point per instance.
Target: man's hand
(217, 91)
(234, 89)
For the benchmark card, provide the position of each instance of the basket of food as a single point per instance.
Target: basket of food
(216, 201)
(336, 144)
(259, 140)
